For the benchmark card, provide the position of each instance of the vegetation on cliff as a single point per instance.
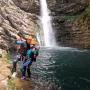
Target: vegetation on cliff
(83, 29)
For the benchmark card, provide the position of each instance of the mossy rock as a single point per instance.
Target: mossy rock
(4, 55)
(12, 86)
(0, 55)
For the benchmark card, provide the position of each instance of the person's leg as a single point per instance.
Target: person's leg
(18, 58)
(23, 70)
(14, 66)
(28, 69)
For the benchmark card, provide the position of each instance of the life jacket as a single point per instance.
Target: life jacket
(34, 54)
(29, 53)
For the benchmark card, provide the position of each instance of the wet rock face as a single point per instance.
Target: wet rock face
(20, 15)
(64, 14)
(32, 6)
(66, 6)
(13, 19)
(81, 30)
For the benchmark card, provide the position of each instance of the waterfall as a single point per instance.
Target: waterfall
(49, 39)
(38, 38)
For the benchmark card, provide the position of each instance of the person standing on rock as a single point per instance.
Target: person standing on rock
(25, 66)
(32, 53)
(21, 52)
(28, 53)
(23, 45)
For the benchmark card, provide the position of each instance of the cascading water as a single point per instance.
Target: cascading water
(38, 38)
(49, 39)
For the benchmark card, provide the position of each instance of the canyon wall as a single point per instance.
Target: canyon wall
(70, 28)
(15, 16)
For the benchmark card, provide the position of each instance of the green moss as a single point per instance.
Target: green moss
(87, 11)
(6, 56)
(12, 86)
(71, 18)
(85, 16)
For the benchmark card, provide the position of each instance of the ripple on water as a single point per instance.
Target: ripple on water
(69, 68)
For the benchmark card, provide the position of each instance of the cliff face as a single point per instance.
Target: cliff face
(31, 6)
(70, 20)
(82, 28)
(70, 29)
(14, 17)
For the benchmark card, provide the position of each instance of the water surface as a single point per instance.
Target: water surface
(61, 68)
(67, 68)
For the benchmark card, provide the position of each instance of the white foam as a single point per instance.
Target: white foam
(49, 38)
